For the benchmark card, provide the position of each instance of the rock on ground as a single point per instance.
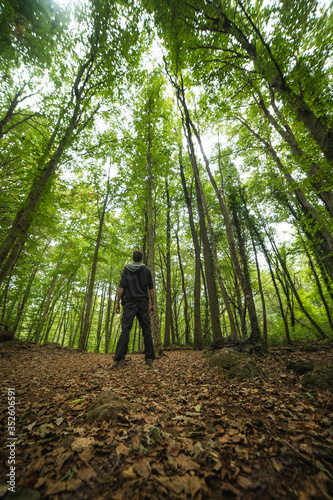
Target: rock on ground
(225, 359)
(108, 406)
(321, 377)
(244, 369)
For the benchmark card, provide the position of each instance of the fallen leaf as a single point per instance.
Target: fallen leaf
(186, 462)
(195, 485)
(82, 442)
(277, 465)
(246, 483)
(122, 449)
(141, 467)
(31, 426)
(175, 484)
(136, 441)
(86, 472)
(87, 454)
(61, 486)
(129, 473)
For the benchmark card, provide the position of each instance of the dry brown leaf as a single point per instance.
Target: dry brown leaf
(277, 465)
(122, 449)
(129, 473)
(237, 438)
(82, 442)
(244, 482)
(86, 472)
(40, 482)
(195, 486)
(37, 466)
(186, 463)
(306, 448)
(136, 441)
(176, 484)
(61, 459)
(61, 486)
(87, 454)
(158, 468)
(141, 466)
(224, 439)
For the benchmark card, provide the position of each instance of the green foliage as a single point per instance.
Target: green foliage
(81, 88)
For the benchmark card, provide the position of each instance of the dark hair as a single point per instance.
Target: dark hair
(137, 255)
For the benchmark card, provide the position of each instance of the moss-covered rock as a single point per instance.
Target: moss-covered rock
(321, 377)
(226, 359)
(108, 407)
(245, 369)
(299, 367)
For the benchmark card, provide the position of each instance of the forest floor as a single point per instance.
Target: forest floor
(186, 432)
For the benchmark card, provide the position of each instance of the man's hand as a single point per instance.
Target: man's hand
(120, 291)
(152, 301)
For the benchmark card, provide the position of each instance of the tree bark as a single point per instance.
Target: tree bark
(86, 321)
(207, 253)
(186, 314)
(269, 262)
(263, 302)
(168, 308)
(15, 239)
(269, 69)
(317, 222)
(156, 330)
(255, 331)
(197, 343)
(311, 169)
(293, 288)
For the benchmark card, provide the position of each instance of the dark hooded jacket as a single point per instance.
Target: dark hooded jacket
(136, 279)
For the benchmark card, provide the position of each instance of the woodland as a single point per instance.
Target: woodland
(202, 133)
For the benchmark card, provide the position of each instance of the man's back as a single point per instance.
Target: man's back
(136, 279)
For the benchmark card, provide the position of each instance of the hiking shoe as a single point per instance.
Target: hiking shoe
(149, 362)
(120, 363)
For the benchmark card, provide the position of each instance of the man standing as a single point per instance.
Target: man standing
(136, 280)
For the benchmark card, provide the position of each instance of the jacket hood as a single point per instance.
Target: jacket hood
(135, 266)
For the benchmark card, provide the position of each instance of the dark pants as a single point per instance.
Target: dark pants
(141, 311)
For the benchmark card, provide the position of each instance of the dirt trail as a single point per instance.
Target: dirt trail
(188, 434)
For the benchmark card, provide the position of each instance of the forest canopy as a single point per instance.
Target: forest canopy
(200, 132)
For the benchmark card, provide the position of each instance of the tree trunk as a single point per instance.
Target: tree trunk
(15, 239)
(233, 332)
(86, 322)
(311, 169)
(156, 330)
(272, 73)
(245, 274)
(46, 309)
(168, 308)
(293, 288)
(249, 223)
(186, 315)
(197, 343)
(100, 320)
(255, 331)
(207, 253)
(268, 260)
(310, 211)
(320, 290)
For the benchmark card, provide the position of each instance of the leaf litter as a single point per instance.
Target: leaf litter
(178, 430)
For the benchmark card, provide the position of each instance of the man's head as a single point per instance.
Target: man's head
(137, 256)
